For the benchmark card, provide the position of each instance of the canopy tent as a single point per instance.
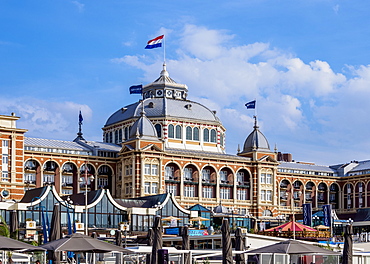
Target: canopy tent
(290, 226)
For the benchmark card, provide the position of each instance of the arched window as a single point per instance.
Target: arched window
(127, 133)
(158, 128)
(178, 132)
(171, 133)
(116, 136)
(107, 137)
(120, 136)
(196, 133)
(189, 133)
(110, 137)
(206, 135)
(213, 136)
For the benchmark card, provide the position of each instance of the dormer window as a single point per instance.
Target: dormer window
(188, 106)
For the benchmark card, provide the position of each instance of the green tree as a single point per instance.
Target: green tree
(4, 228)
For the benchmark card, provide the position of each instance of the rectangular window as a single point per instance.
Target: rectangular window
(48, 178)
(268, 196)
(5, 176)
(263, 195)
(102, 182)
(128, 170)
(5, 159)
(223, 176)
(169, 173)
(268, 178)
(31, 177)
(147, 169)
(147, 188)
(240, 177)
(225, 193)
(171, 189)
(128, 188)
(263, 178)
(189, 191)
(207, 192)
(154, 169)
(5, 143)
(242, 194)
(67, 191)
(206, 175)
(65, 178)
(188, 174)
(154, 188)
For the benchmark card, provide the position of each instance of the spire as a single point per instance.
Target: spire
(79, 134)
(164, 72)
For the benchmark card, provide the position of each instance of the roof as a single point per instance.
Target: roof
(51, 143)
(256, 141)
(305, 166)
(199, 207)
(206, 154)
(164, 107)
(143, 128)
(31, 195)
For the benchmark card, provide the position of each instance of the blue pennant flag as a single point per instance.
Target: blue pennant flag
(251, 104)
(307, 214)
(136, 89)
(80, 118)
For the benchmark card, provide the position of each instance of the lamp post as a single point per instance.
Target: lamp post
(292, 206)
(315, 220)
(86, 213)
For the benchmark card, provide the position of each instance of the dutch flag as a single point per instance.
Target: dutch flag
(155, 43)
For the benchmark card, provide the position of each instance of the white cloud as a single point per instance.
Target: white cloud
(80, 6)
(46, 119)
(296, 101)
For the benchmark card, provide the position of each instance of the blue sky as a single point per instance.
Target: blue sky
(305, 61)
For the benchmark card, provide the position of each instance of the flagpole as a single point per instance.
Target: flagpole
(164, 48)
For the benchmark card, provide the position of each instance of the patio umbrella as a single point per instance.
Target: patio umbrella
(10, 244)
(185, 243)
(13, 224)
(150, 237)
(348, 245)
(291, 226)
(55, 232)
(157, 241)
(81, 243)
(170, 218)
(118, 238)
(239, 246)
(227, 256)
(293, 247)
(198, 219)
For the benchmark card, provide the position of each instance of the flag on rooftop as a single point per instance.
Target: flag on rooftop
(136, 89)
(80, 118)
(155, 43)
(251, 104)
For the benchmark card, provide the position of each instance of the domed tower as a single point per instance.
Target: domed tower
(179, 122)
(256, 145)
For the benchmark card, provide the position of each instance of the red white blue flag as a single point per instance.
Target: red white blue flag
(155, 43)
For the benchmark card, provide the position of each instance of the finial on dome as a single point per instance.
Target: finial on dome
(142, 113)
(255, 121)
(275, 149)
(238, 150)
(164, 72)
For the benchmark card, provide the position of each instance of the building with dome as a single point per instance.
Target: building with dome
(165, 143)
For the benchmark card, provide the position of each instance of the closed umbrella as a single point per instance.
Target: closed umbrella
(157, 241)
(13, 224)
(227, 255)
(348, 245)
(118, 238)
(239, 246)
(55, 232)
(150, 237)
(185, 243)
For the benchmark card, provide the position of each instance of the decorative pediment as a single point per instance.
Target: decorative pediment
(151, 147)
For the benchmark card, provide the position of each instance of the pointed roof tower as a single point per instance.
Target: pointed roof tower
(256, 142)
